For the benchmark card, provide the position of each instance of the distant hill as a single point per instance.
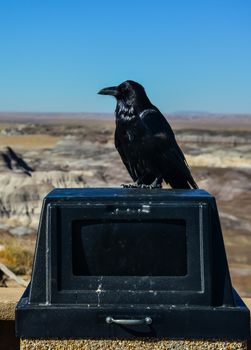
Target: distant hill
(184, 120)
(46, 116)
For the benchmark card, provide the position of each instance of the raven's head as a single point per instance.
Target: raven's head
(129, 92)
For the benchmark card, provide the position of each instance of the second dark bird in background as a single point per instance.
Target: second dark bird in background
(14, 162)
(145, 140)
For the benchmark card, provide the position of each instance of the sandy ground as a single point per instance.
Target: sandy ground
(28, 141)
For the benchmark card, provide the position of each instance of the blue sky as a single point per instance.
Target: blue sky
(190, 55)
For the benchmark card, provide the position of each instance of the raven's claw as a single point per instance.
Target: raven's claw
(152, 186)
(133, 185)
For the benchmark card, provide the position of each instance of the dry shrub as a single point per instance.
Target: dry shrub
(17, 258)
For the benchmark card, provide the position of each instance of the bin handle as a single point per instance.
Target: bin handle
(129, 322)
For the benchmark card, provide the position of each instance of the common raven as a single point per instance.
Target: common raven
(7, 160)
(145, 140)
(20, 164)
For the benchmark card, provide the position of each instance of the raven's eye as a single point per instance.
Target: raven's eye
(122, 91)
(126, 91)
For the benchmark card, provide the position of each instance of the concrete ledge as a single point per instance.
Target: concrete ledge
(31, 344)
(8, 300)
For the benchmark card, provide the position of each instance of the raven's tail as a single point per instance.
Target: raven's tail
(192, 183)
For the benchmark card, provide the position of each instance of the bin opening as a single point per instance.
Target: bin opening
(149, 248)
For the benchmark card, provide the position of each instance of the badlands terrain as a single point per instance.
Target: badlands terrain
(77, 150)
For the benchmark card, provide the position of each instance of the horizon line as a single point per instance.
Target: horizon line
(185, 113)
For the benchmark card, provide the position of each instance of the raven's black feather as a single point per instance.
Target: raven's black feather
(145, 140)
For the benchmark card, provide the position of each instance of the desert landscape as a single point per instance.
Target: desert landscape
(77, 150)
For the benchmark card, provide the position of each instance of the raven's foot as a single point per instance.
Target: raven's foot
(133, 185)
(157, 183)
(152, 186)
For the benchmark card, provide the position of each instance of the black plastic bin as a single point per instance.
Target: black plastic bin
(127, 263)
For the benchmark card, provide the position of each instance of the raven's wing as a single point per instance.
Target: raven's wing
(169, 156)
(127, 162)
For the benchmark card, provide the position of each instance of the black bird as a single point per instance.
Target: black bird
(19, 162)
(7, 160)
(145, 140)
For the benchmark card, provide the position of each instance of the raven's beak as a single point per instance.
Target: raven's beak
(113, 91)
